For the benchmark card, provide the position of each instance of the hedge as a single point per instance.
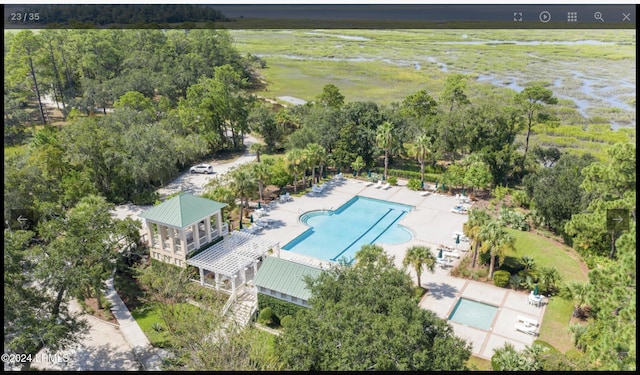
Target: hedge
(279, 307)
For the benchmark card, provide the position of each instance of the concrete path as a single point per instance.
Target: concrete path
(102, 348)
(149, 357)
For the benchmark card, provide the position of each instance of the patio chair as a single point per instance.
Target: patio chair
(379, 184)
(526, 329)
(527, 321)
(386, 186)
(452, 254)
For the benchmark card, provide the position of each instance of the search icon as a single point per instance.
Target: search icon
(598, 16)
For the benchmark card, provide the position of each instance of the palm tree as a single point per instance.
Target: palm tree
(257, 148)
(419, 257)
(384, 139)
(549, 277)
(495, 240)
(576, 292)
(316, 156)
(243, 183)
(421, 150)
(294, 160)
(471, 229)
(261, 174)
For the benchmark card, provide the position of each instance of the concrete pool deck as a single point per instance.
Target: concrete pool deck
(432, 223)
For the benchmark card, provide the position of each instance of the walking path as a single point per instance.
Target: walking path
(149, 357)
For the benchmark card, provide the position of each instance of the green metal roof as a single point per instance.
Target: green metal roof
(285, 276)
(182, 210)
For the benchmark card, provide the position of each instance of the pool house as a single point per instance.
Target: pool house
(181, 225)
(283, 279)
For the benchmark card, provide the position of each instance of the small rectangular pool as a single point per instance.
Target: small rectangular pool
(333, 235)
(474, 314)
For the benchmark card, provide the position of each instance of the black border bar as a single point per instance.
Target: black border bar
(320, 16)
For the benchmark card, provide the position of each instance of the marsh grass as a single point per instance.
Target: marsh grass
(385, 66)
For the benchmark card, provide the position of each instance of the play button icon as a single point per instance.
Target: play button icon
(545, 16)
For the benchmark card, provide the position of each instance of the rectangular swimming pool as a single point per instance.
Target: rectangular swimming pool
(333, 235)
(474, 314)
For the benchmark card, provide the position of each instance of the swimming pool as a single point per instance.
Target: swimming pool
(473, 313)
(333, 235)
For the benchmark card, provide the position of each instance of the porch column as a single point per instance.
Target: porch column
(219, 215)
(183, 242)
(255, 268)
(277, 249)
(196, 235)
(162, 230)
(243, 276)
(172, 240)
(201, 276)
(152, 241)
(207, 228)
(217, 281)
(233, 287)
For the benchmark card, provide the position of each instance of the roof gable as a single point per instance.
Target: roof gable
(182, 210)
(285, 276)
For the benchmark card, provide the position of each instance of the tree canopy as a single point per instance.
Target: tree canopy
(366, 317)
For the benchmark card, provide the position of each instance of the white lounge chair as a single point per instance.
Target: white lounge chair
(379, 184)
(526, 329)
(368, 183)
(386, 186)
(527, 321)
(452, 254)
(424, 193)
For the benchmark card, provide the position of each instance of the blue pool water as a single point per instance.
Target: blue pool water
(474, 314)
(333, 235)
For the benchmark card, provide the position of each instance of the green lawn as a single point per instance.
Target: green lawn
(548, 253)
(146, 316)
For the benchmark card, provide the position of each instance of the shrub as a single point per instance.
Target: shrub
(266, 316)
(285, 321)
(157, 327)
(521, 199)
(392, 180)
(501, 278)
(414, 184)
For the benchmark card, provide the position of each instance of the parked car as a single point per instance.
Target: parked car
(202, 168)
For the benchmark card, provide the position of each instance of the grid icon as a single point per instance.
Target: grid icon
(572, 16)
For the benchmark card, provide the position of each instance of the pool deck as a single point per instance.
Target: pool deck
(432, 223)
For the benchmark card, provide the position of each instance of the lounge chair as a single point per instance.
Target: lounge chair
(452, 254)
(368, 183)
(527, 321)
(424, 193)
(386, 186)
(379, 184)
(526, 329)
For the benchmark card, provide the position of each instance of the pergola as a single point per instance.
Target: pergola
(232, 256)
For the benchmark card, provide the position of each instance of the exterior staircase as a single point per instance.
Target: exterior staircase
(245, 305)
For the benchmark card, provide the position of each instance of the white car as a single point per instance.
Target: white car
(202, 168)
